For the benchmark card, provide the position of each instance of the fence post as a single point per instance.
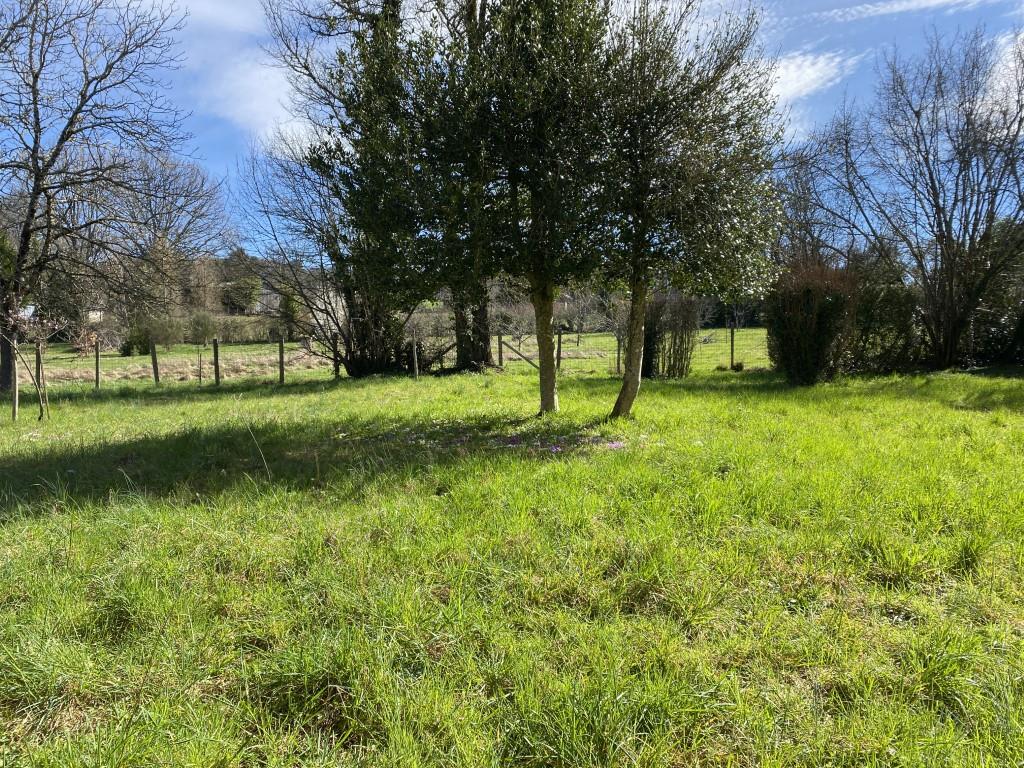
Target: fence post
(335, 355)
(216, 362)
(39, 365)
(200, 368)
(618, 353)
(280, 360)
(156, 363)
(501, 352)
(732, 345)
(14, 377)
(415, 357)
(558, 356)
(96, 354)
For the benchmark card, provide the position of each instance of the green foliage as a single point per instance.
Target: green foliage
(885, 335)
(548, 64)
(243, 330)
(289, 314)
(808, 313)
(202, 328)
(996, 334)
(691, 133)
(241, 285)
(366, 161)
(164, 331)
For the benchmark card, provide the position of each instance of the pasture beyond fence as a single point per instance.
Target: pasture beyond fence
(598, 354)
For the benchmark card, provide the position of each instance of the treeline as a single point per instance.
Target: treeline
(627, 154)
(903, 238)
(553, 143)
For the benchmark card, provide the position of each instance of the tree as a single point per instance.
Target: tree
(935, 166)
(80, 101)
(691, 138)
(240, 285)
(351, 65)
(455, 182)
(548, 64)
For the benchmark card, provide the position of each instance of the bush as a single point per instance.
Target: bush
(244, 330)
(808, 316)
(162, 331)
(997, 330)
(886, 335)
(202, 327)
(670, 333)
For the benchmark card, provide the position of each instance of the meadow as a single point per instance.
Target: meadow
(583, 354)
(422, 573)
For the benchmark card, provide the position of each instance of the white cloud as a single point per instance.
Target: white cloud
(895, 7)
(246, 90)
(799, 75)
(227, 15)
(226, 74)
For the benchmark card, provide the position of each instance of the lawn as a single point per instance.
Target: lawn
(400, 573)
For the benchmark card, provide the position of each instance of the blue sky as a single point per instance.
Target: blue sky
(826, 49)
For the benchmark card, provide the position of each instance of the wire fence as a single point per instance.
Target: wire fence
(586, 345)
(63, 365)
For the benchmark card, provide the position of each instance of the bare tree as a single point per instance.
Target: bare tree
(289, 214)
(81, 99)
(935, 167)
(169, 219)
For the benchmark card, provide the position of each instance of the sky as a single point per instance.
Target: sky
(827, 51)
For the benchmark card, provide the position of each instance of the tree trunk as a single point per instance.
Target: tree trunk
(7, 331)
(483, 357)
(463, 333)
(634, 350)
(472, 331)
(948, 352)
(542, 295)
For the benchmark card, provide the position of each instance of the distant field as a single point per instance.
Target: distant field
(593, 353)
(422, 573)
(180, 362)
(596, 352)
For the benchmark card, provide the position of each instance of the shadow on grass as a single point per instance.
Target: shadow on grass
(346, 454)
(981, 390)
(147, 394)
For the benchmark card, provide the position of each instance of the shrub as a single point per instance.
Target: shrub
(162, 331)
(808, 317)
(997, 330)
(670, 333)
(202, 327)
(244, 330)
(886, 335)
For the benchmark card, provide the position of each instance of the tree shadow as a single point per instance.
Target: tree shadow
(1002, 388)
(346, 454)
(146, 394)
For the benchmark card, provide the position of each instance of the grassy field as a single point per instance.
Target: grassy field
(586, 354)
(181, 362)
(399, 573)
(595, 353)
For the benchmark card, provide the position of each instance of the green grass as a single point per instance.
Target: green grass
(399, 573)
(584, 354)
(65, 366)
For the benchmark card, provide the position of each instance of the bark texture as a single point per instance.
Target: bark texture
(633, 367)
(542, 294)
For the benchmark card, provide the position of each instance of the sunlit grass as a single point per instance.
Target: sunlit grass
(392, 572)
